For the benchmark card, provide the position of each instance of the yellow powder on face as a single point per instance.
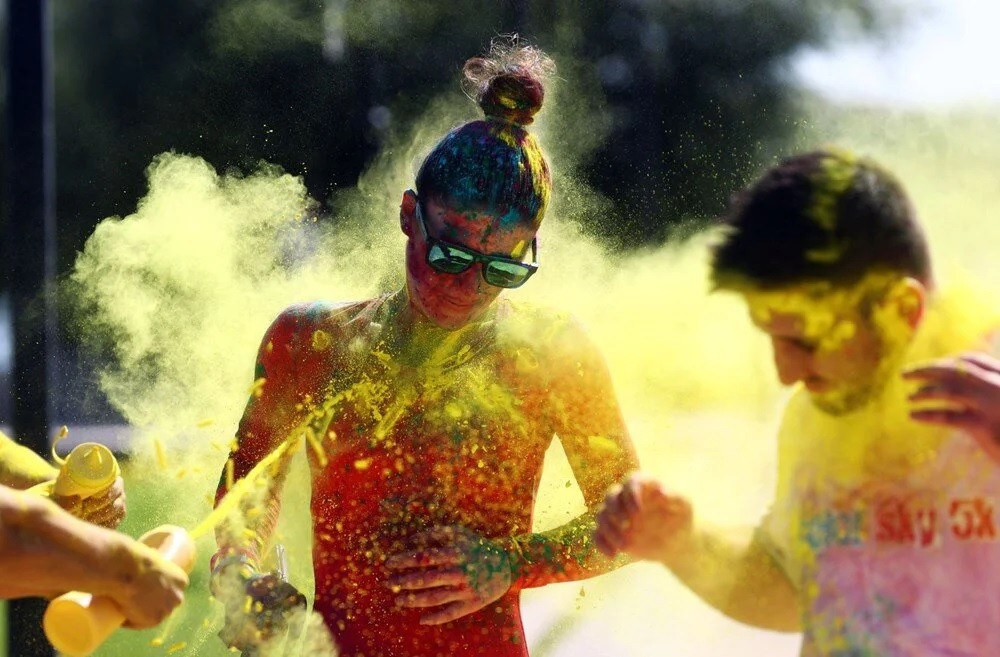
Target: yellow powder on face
(828, 314)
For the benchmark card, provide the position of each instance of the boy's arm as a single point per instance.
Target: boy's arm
(740, 578)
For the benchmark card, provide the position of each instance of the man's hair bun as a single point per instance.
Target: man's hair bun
(509, 83)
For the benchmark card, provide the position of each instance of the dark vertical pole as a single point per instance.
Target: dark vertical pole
(31, 256)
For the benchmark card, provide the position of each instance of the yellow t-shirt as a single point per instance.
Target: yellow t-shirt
(888, 527)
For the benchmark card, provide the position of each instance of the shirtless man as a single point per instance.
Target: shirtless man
(429, 410)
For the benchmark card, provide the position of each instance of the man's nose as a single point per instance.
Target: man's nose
(470, 282)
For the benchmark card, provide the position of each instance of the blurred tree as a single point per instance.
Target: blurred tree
(305, 84)
(3, 125)
(678, 101)
(697, 91)
(5, 334)
(693, 94)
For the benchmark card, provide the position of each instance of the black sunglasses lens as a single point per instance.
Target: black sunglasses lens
(506, 274)
(448, 261)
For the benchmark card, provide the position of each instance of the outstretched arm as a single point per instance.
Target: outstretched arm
(21, 468)
(739, 578)
(53, 552)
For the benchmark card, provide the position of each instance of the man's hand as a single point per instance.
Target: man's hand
(641, 519)
(457, 572)
(258, 606)
(154, 590)
(965, 394)
(106, 509)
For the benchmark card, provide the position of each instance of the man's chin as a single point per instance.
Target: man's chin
(454, 322)
(842, 402)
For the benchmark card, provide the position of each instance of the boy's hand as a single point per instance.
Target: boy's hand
(965, 394)
(641, 519)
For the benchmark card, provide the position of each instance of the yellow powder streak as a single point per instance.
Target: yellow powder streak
(161, 456)
(236, 491)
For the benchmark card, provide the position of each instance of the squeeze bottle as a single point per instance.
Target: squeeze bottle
(77, 623)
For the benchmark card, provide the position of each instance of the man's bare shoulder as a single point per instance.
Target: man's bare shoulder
(325, 315)
(315, 325)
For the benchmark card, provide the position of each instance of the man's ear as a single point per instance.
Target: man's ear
(909, 297)
(408, 212)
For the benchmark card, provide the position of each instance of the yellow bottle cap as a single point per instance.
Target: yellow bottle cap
(89, 468)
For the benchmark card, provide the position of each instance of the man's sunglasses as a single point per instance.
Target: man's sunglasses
(497, 270)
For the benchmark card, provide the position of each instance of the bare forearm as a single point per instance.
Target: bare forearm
(53, 552)
(20, 467)
(563, 554)
(743, 582)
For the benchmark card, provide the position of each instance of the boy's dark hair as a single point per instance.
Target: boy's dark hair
(823, 216)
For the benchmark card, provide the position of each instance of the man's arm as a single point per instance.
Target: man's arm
(590, 426)
(469, 571)
(739, 578)
(53, 552)
(267, 420)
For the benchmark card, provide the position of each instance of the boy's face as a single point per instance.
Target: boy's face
(841, 344)
(838, 361)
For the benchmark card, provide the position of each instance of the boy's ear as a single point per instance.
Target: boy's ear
(909, 297)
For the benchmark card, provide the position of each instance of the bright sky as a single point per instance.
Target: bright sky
(947, 53)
